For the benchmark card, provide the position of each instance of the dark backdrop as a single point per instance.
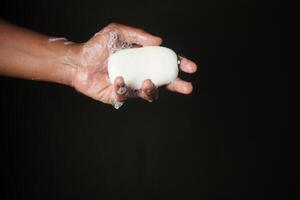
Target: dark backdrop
(221, 142)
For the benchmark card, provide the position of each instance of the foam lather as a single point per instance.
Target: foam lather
(160, 64)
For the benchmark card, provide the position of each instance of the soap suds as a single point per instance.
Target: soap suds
(111, 44)
(68, 43)
(117, 104)
(126, 45)
(54, 39)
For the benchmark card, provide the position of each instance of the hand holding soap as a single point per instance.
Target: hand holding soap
(160, 64)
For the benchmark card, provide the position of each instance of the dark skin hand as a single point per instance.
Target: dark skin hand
(82, 66)
(98, 85)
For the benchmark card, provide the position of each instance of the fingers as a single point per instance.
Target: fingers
(180, 86)
(136, 35)
(148, 91)
(121, 89)
(187, 65)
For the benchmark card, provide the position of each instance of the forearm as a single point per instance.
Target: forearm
(29, 55)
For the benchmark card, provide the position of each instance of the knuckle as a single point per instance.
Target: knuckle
(112, 25)
(139, 30)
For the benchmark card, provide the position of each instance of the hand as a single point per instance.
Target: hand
(91, 76)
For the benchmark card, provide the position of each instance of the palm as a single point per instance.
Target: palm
(95, 84)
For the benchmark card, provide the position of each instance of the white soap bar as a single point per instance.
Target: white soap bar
(137, 64)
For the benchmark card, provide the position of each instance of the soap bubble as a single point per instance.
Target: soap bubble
(54, 39)
(117, 104)
(111, 44)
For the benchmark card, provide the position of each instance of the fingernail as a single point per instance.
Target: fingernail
(190, 68)
(151, 88)
(122, 90)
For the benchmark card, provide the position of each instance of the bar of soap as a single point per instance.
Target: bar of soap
(137, 64)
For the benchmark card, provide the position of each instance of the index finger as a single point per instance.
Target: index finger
(138, 36)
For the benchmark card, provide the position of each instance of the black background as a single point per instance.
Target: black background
(227, 140)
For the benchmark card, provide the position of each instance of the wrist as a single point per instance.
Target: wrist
(64, 62)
